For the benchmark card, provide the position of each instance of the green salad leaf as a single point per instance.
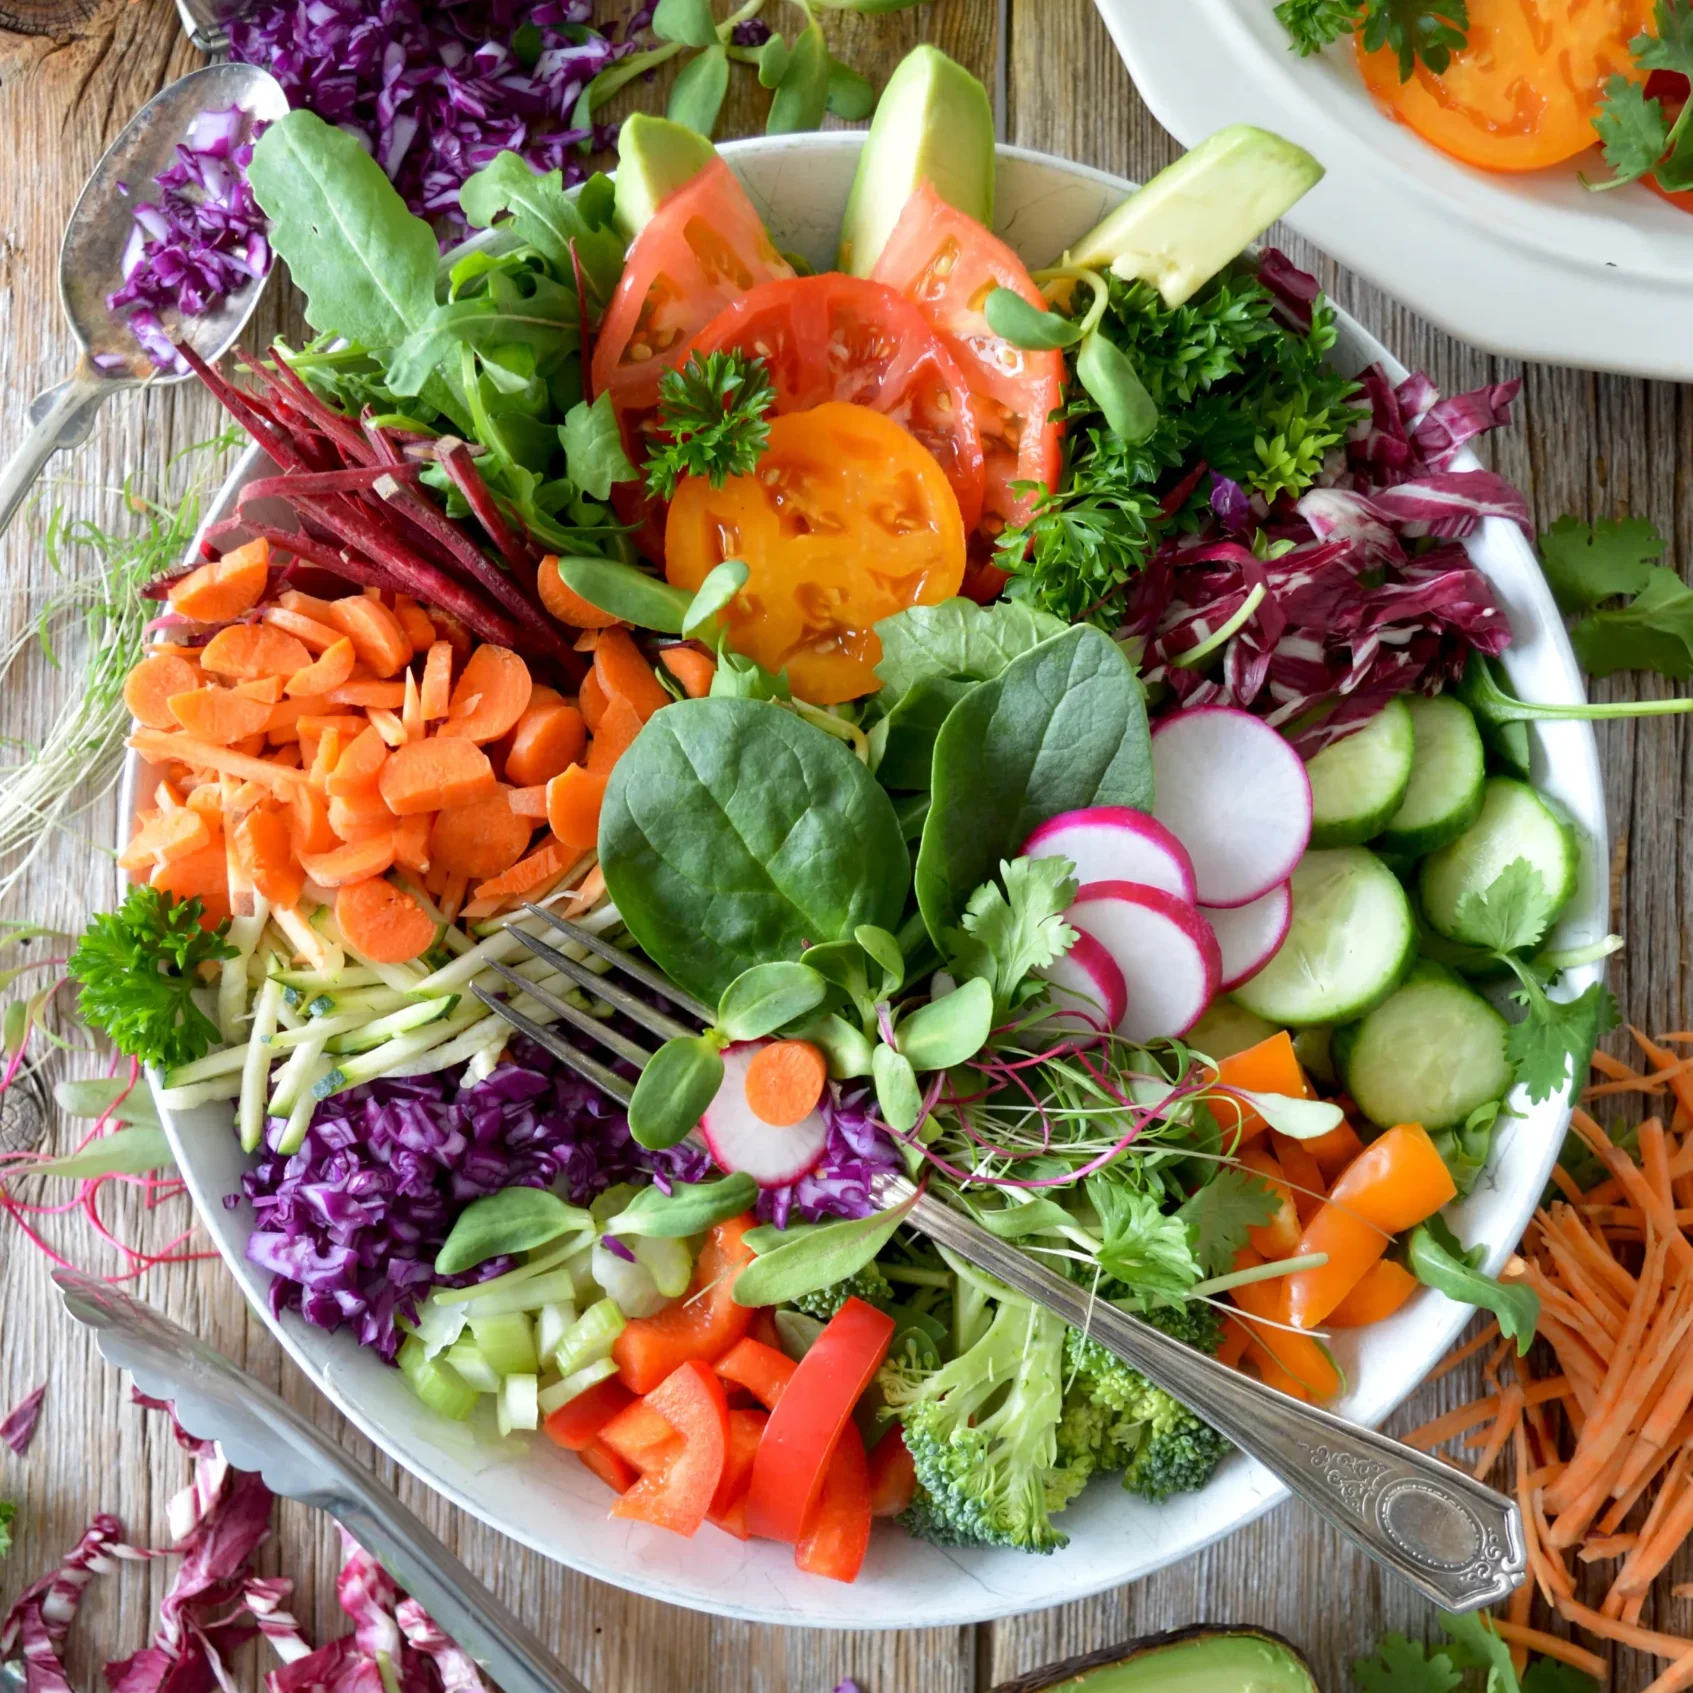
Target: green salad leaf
(956, 639)
(1587, 563)
(7, 1512)
(1438, 1260)
(1014, 927)
(1221, 1215)
(545, 215)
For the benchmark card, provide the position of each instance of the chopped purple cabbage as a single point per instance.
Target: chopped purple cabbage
(838, 1185)
(349, 1225)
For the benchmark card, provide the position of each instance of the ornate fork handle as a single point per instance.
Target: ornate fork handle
(1458, 1542)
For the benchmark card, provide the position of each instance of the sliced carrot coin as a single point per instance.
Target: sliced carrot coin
(411, 842)
(264, 849)
(415, 621)
(374, 630)
(313, 636)
(592, 701)
(615, 735)
(266, 688)
(329, 670)
(360, 765)
(692, 668)
(491, 694)
(354, 862)
(246, 650)
(479, 840)
(548, 739)
(435, 774)
(166, 836)
(202, 875)
(150, 686)
(784, 1082)
(574, 798)
(309, 829)
(382, 922)
(218, 715)
(226, 587)
(623, 672)
(529, 802)
(358, 815)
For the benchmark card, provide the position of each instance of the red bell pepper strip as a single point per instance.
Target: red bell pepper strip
(837, 1532)
(678, 1480)
(729, 1503)
(760, 1369)
(704, 1323)
(576, 1424)
(893, 1477)
(606, 1464)
(816, 1405)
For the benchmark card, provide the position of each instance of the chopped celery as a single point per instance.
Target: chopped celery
(630, 1283)
(255, 1070)
(579, 1381)
(467, 1358)
(527, 1295)
(438, 1326)
(519, 1403)
(591, 1339)
(668, 1262)
(552, 1323)
(507, 1341)
(440, 1388)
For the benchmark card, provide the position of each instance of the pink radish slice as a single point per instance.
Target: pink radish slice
(1169, 958)
(741, 1140)
(1236, 795)
(1251, 935)
(1111, 843)
(1088, 991)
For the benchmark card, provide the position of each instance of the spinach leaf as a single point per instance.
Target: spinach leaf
(908, 732)
(957, 638)
(1062, 727)
(549, 219)
(734, 833)
(818, 1258)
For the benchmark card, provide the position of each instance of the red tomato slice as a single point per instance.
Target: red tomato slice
(677, 1490)
(805, 1428)
(845, 338)
(948, 264)
(837, 1533)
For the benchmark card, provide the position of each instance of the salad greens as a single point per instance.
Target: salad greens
(712, 413)
(1399, 1665)
(1638, 138)
(1425, 32)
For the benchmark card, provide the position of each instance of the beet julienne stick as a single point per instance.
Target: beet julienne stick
(455, 455)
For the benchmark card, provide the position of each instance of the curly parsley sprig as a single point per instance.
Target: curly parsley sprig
(1419, 31)
(712, 414)
(139, 967)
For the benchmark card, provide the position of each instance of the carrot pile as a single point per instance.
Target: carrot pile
(365, 751)
(1602, 1441)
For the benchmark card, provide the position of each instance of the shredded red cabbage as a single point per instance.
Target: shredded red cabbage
(18, 1430)
(1365, 592)
(838, 1184)
(202, 240)
(349, 1225)
(435, 91)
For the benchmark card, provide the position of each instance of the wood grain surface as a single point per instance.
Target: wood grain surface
(70, 77)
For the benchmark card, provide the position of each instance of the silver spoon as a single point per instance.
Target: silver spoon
(89, 268)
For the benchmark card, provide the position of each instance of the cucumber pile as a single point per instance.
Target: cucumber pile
(1409, 829)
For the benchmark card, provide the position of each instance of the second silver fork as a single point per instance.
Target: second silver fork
(1458, 1542)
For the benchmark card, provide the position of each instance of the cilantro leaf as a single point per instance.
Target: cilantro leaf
(1313, 24)
(7, 1511)
(1669, 44)
(711, 414)
(1586, 564)
(1404, 1666)
(1511, 913)
(1557, 1038)
(1476, 1646)
(1220, 1214)
(1427, 30)
(1008, 935)
(1653, 632)
(1438, 1260)
(1633, 132)
(1143, 1246)
(139, 967)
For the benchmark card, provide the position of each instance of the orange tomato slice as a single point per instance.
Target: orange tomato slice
(847, 519)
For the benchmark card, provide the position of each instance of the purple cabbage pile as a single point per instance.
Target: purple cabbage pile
(1369, 592)
(838, 1185)
(349, 1225)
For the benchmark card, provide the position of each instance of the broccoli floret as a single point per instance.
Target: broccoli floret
(1178, 1452)
(982, 1433)
(869, 1284)
(1193, 1322)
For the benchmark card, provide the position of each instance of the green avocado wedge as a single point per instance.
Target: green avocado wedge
(1192, 1660)
(655, 157)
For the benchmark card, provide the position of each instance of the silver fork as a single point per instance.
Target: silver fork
(1457, 1541)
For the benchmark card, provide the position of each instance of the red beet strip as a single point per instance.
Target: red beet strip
(455, 455)
(307, 484)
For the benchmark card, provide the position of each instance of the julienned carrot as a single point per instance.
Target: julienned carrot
(624, 674)
(161, 748)
(329, 670)
(1551, 1646)
(435, 774)
(546, 863)
(226, 587)
(1635, 1185)
(347, 725)
(549, 738)
(618, 728)
(490, 696)
(574, 799)
(245, 650)
(388, 726)
(218, 715)
(357, 861)
(482, 839)
(265, 849)
(382, 922)
(149, 687)
(692, 668)
(374, 630)
(436, 688)
(1669, 1067)
(564, 603)
(784, 1082)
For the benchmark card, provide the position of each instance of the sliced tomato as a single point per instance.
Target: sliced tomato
(893, 1477)
(846, 338)
(948, 264)
(576, 1424)
(704, 1323)
(760, 1369)
(806, 1425)
(679, 1477)
(729, 1503)
(837, 1532)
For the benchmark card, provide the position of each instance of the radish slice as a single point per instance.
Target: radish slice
(1250, 935)
(740, 1140)
(1088, 991)
(1236, 795)
(1111, 843)
(1169, 958)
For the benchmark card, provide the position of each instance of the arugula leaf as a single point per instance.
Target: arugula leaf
(1220, 1214)
(1008, 934)
(1556, 1040)
(1585, 564)
(1143, 1246)
(528, 310)
(1314, 24)
(7, 1511)
(1438, 1260)
(548, 217)
(1427, 30)
(1653, 632)
(1511, 914)
(139, 967)
(593, 448)
(956, 638)
(1405, 1666)
(712, 412)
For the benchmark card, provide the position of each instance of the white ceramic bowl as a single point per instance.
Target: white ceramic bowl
(554, 1505)
(1533, 266)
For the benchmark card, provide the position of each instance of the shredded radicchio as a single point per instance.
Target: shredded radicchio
(838, 1185)
(349, 1225)
(216, 1603)
(1367, 591)
(18, 1430)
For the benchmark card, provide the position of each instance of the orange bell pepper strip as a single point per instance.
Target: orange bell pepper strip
(1385, 1286)
(1271, 1066)
(1283, 1357)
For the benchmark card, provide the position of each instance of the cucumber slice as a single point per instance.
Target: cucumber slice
(1430, 1053)
(1516, 821)
(1447, 775)
(1358, 783)
(1352, 940)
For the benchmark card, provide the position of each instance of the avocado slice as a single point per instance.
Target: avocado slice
(655, 157)
(933, 123)
(1192, 1660)
(1196, 215)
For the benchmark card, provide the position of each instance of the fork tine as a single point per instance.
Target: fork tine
(643, 973)
(589, 1024)
(607, 1081)
(638, 1010)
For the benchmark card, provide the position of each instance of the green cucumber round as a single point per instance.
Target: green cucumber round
(1448, 772)
(1359, 782)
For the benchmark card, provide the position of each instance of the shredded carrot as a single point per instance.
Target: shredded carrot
(1677, 1677)
(1618, 1071)
(1468, 1350)
(1551, 1646)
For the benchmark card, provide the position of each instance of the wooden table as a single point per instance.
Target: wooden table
(70, 77)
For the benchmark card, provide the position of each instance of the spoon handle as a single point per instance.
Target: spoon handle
(59, 418)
